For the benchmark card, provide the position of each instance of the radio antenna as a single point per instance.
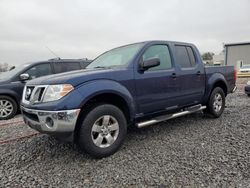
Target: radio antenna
(52, 52)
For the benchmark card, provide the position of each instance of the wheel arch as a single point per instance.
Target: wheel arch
(106, 91)
(216, 80)
(109, 98)
(11, 94)
(222, 85)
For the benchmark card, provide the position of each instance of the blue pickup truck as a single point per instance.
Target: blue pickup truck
(134, 85)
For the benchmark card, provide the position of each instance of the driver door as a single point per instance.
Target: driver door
(157, 87)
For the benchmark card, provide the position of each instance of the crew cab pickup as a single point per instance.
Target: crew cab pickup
(134, 85)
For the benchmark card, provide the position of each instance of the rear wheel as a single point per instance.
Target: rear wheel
(102, 131)
(216, 103)
(8, 107)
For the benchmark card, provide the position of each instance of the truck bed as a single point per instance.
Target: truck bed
(227, 71)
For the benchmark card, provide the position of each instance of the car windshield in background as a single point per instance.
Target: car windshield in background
(13, 72)
(116, 57)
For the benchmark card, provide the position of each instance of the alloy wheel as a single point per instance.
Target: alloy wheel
(217, 104)
(105, 131)
(6, 108)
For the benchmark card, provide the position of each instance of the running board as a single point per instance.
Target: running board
(159, 119)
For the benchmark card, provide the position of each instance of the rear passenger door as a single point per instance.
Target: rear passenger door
(60, 67)
(191, 75)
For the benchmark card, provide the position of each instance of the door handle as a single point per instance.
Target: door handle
(174, 75)
(198, 73)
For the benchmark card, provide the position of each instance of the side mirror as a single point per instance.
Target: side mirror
(24, 77)
(145, 65)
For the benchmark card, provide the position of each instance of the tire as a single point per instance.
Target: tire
(248, 95)
(102, 131)
(216, 103)
(8, 107)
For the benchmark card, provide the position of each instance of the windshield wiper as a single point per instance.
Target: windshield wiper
(97, 67)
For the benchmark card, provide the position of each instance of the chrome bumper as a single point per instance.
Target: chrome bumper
(51, 121)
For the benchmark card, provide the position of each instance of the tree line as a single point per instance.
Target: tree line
(207, 56)
(4, 67)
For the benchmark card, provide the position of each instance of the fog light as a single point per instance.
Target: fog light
(49, 122)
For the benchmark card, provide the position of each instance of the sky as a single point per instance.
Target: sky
(81, 28)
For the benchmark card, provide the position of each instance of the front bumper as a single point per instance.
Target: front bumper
(51, 122)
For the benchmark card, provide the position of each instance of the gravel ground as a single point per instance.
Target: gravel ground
(192, 151)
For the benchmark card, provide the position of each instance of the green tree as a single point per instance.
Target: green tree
(207, 56)
(4, 67)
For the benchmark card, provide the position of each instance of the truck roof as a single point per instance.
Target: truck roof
(156, 41)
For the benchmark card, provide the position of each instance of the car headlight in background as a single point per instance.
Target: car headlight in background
(248, 83)
(56, 92)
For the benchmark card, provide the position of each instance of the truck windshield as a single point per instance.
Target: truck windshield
(13, 72)
(116, 57)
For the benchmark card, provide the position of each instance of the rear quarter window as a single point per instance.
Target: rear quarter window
(191, 56)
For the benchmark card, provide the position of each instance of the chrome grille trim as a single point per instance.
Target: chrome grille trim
(36, 96)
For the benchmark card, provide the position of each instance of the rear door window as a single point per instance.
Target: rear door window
(66, 66)
(184, 56)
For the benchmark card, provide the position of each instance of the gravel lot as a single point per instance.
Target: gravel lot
(192, 151)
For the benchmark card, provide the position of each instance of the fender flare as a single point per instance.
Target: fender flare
(12, 94)
(215, 78)
(88, 90)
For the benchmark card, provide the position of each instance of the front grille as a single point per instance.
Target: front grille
(28, 93)
(33, 94)
(37, 97)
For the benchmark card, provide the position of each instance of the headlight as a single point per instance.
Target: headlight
(248, 83)
(56, 92)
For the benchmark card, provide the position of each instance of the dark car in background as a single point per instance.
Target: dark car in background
(247, 89)
(13, 81)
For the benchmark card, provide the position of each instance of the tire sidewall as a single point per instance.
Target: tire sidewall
(14, 104)
(211, 101)
(85, 135)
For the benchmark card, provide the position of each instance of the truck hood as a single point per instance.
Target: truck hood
(74, 77)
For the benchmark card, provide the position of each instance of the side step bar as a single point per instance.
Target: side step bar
(159, 119)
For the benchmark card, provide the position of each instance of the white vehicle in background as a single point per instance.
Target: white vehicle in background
(245, 68)
(217, 63)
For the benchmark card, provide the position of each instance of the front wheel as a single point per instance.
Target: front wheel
(8, 107)
(102, 131)
(216, 103)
